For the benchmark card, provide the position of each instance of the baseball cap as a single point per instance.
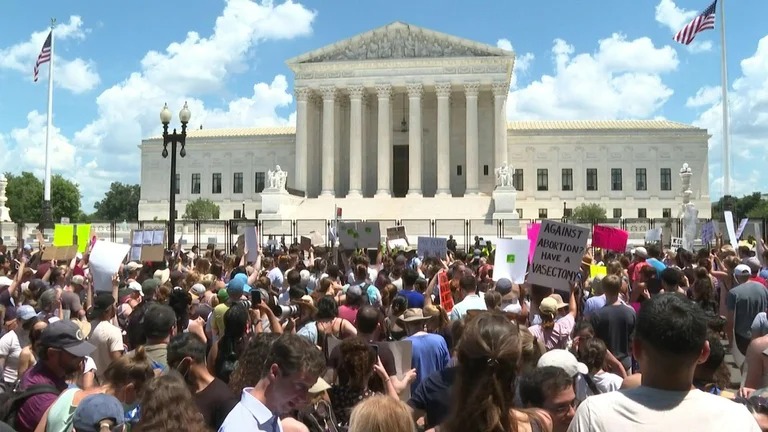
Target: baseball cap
(753, 263)
(223, 295)
(96, 408)
(504, 286)
(354, 290)
(77, 280)
(132, 266)
(559, 299)
(742, 270)
(135, 287)
(548, 306)
(640, 252)
(149, 286)
(66, 335)
(25, 312)
(197, 290)
(239, 283)
(102, 301)
(564, 360)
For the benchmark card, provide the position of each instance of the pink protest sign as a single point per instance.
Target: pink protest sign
(609, 238)
(533, 236)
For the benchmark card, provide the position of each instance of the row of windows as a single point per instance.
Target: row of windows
(259, 182)
(617, 181)
(617, 213)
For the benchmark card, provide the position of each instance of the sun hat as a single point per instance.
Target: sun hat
(412, 315)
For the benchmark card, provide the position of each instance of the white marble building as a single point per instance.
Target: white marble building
(406, 123)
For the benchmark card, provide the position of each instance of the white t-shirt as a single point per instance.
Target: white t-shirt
(107, 338)
(605, 382)
(10, 348)
(645, 409)
(276, 277)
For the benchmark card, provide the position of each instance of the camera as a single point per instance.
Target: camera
(246, 303)
(291, 311)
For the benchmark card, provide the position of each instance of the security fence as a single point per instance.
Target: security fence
(224, 233)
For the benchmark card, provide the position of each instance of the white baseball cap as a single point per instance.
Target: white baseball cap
(564, 360)
(135, 286)
(742, 270)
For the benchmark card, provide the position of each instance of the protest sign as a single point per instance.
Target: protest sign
(609, 238)
(708, 232)
(677, 242)
(742, 225)
(653, 235)
(557, 256)
(732, 237)
(533, 236)
(597, 270)
(511, 260)
(444, 287)
(359, 235)
(148, 245)
(105, 262)
(432, 247)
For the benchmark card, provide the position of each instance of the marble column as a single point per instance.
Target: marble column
(300, 170)
(415, 90)
(443, 91)
(471, 91)
(329, 108)
(500, 92)
(384, 156)
(355, 140)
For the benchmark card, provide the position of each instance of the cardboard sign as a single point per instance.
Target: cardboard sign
(147, 245)
(609, 238)
(446, 297)
(359, 235)
(59, 253)
(557, 256)
(511, 259)
(653, 235)
(305, 243)
(432, 247)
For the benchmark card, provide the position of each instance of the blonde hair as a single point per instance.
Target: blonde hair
(381, 414)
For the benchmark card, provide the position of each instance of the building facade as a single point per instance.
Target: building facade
(401, 121)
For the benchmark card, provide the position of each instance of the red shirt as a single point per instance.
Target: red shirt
(348, 313)
(759, 279)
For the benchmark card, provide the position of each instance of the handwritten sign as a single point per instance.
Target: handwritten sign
(677, 242)
(557, 256)
(359, 235)
(446, 298)
(432, 247)
(511, 260)
(609, 238)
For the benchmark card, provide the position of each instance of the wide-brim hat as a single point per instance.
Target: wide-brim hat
(412, 315)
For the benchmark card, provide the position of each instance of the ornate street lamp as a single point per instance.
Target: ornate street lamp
(174, 139)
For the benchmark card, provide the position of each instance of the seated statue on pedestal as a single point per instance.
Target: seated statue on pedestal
(504, 176)
(276, 179)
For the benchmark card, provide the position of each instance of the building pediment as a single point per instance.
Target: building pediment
(399, 41)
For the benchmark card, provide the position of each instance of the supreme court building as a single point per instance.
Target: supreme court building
(402, 122)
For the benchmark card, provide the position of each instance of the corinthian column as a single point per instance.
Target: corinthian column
(415, 91)
(329, 101)
(383, 92)
(300, 176)
(355, 140)
(470, 91)
(443, 138)
(500, 92)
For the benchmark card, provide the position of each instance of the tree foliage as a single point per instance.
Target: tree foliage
(25, 198)
(752, 206)
(588, 213)
(201, 209)
(121, 202)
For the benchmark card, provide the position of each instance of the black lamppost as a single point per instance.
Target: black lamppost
(565, 210)
(173, 139)
(242, 214)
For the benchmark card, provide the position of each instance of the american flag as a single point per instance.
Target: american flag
(44, 56)
(705, 21)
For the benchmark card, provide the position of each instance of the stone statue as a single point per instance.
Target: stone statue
(688, 213)
(504, 176)
(276, 179)
(5, 214)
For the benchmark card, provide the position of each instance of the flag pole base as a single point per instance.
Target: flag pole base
(46, 217)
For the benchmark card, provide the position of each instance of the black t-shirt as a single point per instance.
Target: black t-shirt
(215, 402)
(433, 396)
(615, 325)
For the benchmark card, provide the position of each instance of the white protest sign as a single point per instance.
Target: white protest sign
(760, 248)
(557, 255)
(104, 262)
(708, 232)
(677, 242)
(432, 247)
(359, 235)
(653, 235)
(729, 227)
(251, 244)
(511, 260)
(742, 225)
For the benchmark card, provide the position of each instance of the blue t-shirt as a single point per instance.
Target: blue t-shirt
(415, 298)
(430, 354)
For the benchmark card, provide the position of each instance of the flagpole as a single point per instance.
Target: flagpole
(47, 215)
(724, 89)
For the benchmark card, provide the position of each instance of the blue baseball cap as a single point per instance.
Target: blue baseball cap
(239, 284)
(95, 409)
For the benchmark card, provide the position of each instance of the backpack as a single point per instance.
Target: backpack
(11, 401)
(319, 418)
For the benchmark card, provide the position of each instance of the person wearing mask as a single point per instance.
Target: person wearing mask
(670, 341)
(62, 351)
(744, 302)
(105, 336)
(186, 354)
(292, 366)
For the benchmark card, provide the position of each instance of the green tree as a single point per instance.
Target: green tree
(25, 197)
(121, 202)
(741, 207)
(201, 209)
(588, 213)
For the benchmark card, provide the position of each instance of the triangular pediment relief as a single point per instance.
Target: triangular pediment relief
(398, 41)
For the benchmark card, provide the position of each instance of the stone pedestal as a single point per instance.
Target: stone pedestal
(5, 214)
(504, 201)
(273, 203)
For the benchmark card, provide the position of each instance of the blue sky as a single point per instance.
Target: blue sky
(116, 65)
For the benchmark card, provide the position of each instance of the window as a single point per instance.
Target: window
(520, 213)
(196, 183)
(591, 179)
(641, 178)
(641, 213)
(616, 179)
(617, 213)
(666, 179)
(485, 170)
(666, 212)
(567, 212)
(517, 179)
(237, 184)
(259, 181)
(567, 179)
(542, 213)
(238, 214)
(458, 170)
(542, 179)
(216, 183)
(177, 184)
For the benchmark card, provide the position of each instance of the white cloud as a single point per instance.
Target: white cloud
(194, 69)
(29, 149)
(675, 18)
(748, 99)
(621, 80)
(76, 75)
(522, 61)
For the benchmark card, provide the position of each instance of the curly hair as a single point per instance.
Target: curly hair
(592, 352)
(356, 365)
(167, 405)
